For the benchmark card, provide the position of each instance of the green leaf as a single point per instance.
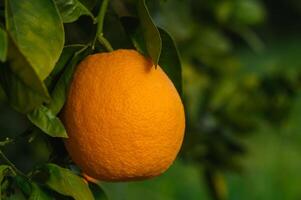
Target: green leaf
(23, 184)
(59, 93)
(4, 169)
(90, 4)
(25, 92)
(150, 32)
(134, 30)
(66, 183)
(3, 45)
(65, 57)
(170, 60)
(43, 118)
(31, 189)
(98, 192)
(17, 195)
(71, 10)
(38, 194)
(10, 187)
(21, 97)
(37, 30)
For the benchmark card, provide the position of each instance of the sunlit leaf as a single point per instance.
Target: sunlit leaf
(37, 30)
(67, 183)
(44, 118)
(71, 10)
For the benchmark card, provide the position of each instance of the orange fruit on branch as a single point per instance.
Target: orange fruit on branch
(124, 117)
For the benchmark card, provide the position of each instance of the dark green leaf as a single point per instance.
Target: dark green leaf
(37, 30)
(31, 189)
(43, 118)
(3, 45)
(17, 195)
(4, 169)
(67, 183)
(65, 57)
(170, 60)
(23, 184)
(81, 31)
(2, 93)
(90, 4)
(134, 30)
(71, 10)
(40, 147)
(38, 194)
(98, 192)
(150, 32)
(59, 93)
(20, 96)
(25, 92)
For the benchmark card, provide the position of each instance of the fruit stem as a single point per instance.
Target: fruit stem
(101, 16)
(105, 43)
(99, 32)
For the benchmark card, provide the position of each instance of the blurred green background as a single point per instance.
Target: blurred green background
(241, 82)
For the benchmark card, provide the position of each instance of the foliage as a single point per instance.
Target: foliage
(229, 94)
(239, 67)
(41, 44)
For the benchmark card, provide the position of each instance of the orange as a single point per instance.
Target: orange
(124, 117)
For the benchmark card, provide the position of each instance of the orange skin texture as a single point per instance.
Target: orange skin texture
(124, 117)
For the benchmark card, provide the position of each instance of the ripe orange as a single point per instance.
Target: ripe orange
(124, 117)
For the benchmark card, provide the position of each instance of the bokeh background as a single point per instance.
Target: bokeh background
(242, 93)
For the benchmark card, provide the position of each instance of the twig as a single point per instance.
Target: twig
(105, 43)
(13, 167)
(99, 32)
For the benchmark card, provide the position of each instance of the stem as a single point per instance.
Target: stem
(99, 31)
(105, 43)
(101, 16)
(216, 184)
(14, 168)
(6, 141)
(251, 39)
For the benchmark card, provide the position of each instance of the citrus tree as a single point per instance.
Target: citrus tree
(41, 43)
(227, 95)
